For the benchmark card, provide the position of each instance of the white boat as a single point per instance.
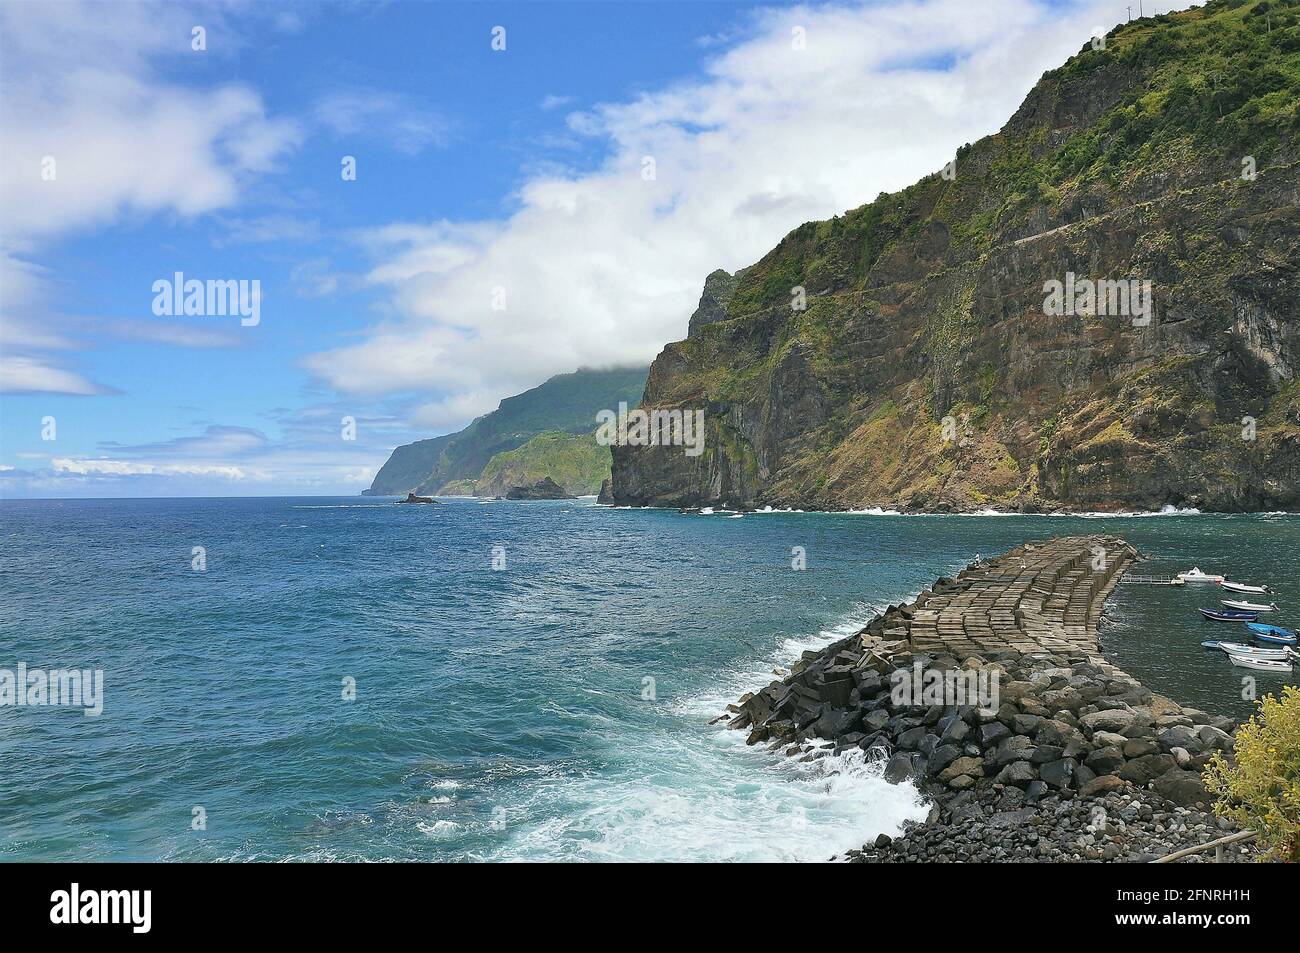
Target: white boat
(1241, 586)
(1260, 664)
(1251, 651)
(1195, 575)
(1249, 606)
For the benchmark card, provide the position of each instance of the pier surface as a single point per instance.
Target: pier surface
(1039, 597)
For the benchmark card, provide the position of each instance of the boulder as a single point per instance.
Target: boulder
(1102, 784)
(1184, 788)
(942, 757)
(1044, 753)
(1014, 748)
(991, 733)
(899, 768)
(1139, 748)
(1214, 739)
(1058, 774)
(955, 732)
(971, 766)
(1179, 736)
(1105, 738)
(875, 720)
(1014, 691)
(1142, 771)
(1025, 724)
(1105, 760)
(1053, 732)
(1019, 773)
(1116, 719)
(911, 738)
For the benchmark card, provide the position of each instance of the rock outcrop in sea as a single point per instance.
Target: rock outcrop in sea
(990, 692)
(1096, 308)
(543, 489)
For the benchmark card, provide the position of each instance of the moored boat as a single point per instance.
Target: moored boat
(1271, 633)
(1254, 651)
(1195, 575)
(1241, 586)
(1243, 606)
(1229, 615)
(1260, 664)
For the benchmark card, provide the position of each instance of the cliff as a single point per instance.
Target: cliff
(576, 463)
(567, 403)
(906, 354)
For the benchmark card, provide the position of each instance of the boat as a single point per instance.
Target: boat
(1242, 587)
(1271, 633)
(1254, 651)
(1260, 664)
(1248, 606)
(1229, 615)
(1195, 575)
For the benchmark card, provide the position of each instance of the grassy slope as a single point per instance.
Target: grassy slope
(575, 462)
(566, 402)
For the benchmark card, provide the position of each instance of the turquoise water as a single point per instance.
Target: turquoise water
(498, 714)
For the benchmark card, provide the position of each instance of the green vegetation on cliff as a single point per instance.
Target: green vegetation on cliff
(1168, 156)
(576, 463)
(567, 403)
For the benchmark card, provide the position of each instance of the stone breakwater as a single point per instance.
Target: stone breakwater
(1068, 758)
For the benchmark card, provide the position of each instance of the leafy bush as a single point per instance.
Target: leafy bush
(1262, 789)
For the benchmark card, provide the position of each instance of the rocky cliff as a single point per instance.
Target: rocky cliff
(567, 403)
(576, 462)
(906, 354)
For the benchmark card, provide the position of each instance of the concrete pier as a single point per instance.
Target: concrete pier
(1039, 597)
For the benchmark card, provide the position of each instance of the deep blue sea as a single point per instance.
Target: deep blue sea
(499, 714)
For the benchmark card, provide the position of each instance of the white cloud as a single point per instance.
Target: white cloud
(31, 375)
(393, 119)
(309, 455)
(169, 332)
(216, 442)
(80, 88)
(450, 411)
(83, 467)
(604, 267)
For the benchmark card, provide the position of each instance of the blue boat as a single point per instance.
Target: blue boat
(1271, 633)
(1229, 615)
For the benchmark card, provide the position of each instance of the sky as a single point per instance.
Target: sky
(538, 187)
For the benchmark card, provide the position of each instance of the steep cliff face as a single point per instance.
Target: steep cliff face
(453, 462)
(906, 354)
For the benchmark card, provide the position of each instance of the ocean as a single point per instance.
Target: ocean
(343, 679)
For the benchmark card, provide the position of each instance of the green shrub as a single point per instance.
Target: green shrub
(1262, 789)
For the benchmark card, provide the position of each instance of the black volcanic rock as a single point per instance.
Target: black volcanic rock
(543, 489)
(412, 498)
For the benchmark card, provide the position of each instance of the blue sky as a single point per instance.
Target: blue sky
(484, 177)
